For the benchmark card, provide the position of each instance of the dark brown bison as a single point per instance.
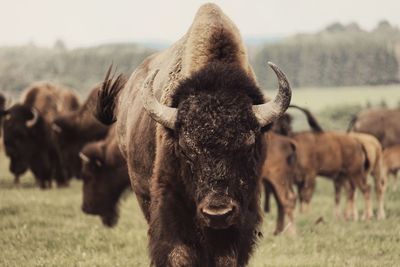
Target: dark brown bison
(391, 159)
(335, 155)
(28, 138)
(105, 178)
(279, 174)
(2, 109)
(382, 123)
(190, 125)
(73, 130)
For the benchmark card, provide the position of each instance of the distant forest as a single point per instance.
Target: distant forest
(339, 55)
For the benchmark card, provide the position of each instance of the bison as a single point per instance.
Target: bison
(391, 159)
(279, 173)
(382, 123)
(28, 138)
(2, 109)
(374, 167)
(334, 155)
(105, 178)
(190, 124)
(73, 130)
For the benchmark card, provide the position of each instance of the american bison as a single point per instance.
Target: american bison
(374, 167)
(335, 155)
(190, 125)
(73, 130)
(391, 159)
(382, 123)
(28, 139)
(105, 178)
(279, 174)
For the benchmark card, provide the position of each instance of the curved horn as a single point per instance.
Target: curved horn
(270, 111)
(30, 123)
(160, 113)
(84, 158)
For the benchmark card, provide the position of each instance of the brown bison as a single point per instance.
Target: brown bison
(28, 138)
(279, 174)
(335, 155)
(73, 130)
(374, 167)
(391, 159)
(105, 178)
(190, 125)
(382, 123)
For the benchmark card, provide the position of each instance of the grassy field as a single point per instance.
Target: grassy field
(317, 99)
(47, 228)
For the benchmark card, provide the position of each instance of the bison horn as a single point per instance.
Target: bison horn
(30, 123)
(160, 113)
(84, 158)
(270, 111)
(56, 128)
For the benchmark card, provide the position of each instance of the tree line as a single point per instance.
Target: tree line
(339, 55)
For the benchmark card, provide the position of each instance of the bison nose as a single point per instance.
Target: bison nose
(219, 217)
(212, 212)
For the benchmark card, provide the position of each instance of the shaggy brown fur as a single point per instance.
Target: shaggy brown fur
(337, 156)
(391, 159)
(75, 129)
(183, 178)
(382, 123)
(35, 147)
(279, 174)
(105, 178)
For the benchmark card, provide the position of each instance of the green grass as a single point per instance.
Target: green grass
(319, 98)
(47, 228)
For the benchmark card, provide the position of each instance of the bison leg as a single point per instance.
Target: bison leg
(169, 229)
(180, 256)
(395, 180)
(267, 191)
(365, 188)
(306, 193)
(16, 180)
(380, 180)
(338, 183)
(351, 210)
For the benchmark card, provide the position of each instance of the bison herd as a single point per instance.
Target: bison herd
(195, 138)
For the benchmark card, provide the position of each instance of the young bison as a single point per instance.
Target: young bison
(279, 173)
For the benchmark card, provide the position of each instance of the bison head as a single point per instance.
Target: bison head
(216, 122)
(103, 183)
(21, 129)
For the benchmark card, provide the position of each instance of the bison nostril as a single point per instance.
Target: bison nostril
(217, 211)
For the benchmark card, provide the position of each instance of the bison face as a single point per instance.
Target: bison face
(216, 117)
(102, 185)
(220, 151)
(20, 133)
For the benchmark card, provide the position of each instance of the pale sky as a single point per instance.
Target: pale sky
(89, 22)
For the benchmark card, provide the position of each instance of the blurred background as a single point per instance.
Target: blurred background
(351, 48)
